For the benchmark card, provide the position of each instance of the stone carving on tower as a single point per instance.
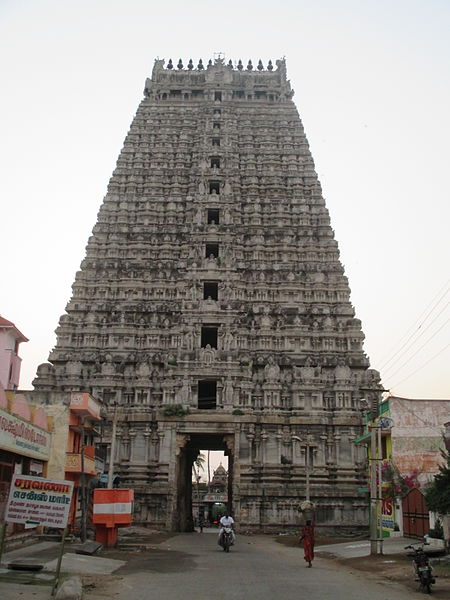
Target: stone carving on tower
(211, 306)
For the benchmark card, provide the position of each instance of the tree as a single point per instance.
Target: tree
(197, 466)
(437, 493)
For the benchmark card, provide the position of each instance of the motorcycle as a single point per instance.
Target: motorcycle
(422, 567)
(227, 539)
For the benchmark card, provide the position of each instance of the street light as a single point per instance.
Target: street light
(307, 444)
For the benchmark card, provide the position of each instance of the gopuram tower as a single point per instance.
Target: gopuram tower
(212, 312)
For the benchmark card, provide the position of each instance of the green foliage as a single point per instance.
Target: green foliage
(175, 410)
(437, 493)
(285, 460)
(237, 411)
(437, 531)
(395, 484)
(199, 462)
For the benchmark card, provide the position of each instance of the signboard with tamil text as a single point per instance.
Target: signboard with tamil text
(22, 437)
(38, 501)
(215, 498)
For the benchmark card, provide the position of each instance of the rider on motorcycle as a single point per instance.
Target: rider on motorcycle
(226, 521)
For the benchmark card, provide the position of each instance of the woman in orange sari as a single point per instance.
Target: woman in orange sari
(308, 542)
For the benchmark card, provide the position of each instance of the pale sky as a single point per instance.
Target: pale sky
(372, 88)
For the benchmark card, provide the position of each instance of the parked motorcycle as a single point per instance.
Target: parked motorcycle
(422, 567)
(227, 538)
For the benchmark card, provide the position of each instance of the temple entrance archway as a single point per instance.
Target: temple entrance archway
(193, 444)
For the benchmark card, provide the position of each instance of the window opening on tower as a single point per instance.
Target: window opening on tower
(210, 290)
(216, 125)
(218, 96)
(216, 141)
(213, 216)
(212, 250)
(207, 394)
(215, 162)
(209, 336)
(214, 187)
(217, 111)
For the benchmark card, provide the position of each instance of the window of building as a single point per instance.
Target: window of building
(384, 455)
(216, 141)
(210, 290)
(212, 249)
(207, 394)
(215, 162)
(218, 96)
(213, 216)
(209, 336)
(216, 125)
(214, 187)
(217, 111)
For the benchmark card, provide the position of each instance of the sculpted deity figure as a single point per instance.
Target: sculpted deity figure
(228, 391)
(189, 340)
(108, 366)
(342, 371)
(307, 372)
(144, 369)
(228, 340)
(271, 371)
(184, 394)
(73, 367)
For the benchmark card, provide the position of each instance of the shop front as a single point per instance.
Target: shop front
(24, 445)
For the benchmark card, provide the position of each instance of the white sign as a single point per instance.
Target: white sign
(39, 501)
(21, 437)
(215, 498)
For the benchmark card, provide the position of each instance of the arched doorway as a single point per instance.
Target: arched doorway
(195, 442)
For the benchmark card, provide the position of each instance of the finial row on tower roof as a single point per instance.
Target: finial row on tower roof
(239, 66)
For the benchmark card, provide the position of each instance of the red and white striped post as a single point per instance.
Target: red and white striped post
(111, 509)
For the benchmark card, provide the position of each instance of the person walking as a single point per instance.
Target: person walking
(308, 542)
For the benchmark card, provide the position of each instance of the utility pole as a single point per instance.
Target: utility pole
(308, 445)
(380, 492)
(112, 450)
(83, 531)
(308, 461)
(376, 531)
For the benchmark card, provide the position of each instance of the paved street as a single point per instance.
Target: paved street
(193, 567)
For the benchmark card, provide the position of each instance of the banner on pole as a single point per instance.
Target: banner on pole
(38, 501)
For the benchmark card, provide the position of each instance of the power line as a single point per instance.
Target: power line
(422, 366)
(419, 349)
(409, 336)
(418, 337)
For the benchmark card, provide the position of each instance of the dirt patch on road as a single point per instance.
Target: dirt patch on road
(399, 569)
(393, 567)
(294, 540)
(153, 560)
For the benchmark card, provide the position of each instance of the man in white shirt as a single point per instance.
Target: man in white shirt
(226, 521)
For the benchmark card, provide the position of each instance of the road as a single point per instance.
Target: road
(193, 567)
